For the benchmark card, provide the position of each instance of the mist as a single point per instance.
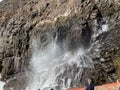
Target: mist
(53, 66)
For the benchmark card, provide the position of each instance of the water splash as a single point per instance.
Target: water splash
(1, 0)
(54, 67)
(47, 64)
(1, 84)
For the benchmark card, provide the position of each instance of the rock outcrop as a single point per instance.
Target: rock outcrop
(72, 21)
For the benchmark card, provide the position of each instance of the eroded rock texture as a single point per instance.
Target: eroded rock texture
(72, 20)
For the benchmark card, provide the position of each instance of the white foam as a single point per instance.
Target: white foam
(1, 84)
(1, 0)
(105, 28)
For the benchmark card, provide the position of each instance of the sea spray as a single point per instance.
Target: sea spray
(1, 84)
(54, 67)
(48, 63)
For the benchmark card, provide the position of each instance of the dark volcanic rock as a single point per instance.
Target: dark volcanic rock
(72, 21)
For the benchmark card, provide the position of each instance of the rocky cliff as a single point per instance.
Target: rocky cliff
(72, 21)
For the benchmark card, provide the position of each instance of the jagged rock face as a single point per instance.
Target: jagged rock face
(72, 21)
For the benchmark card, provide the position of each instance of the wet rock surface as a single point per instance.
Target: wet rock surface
(72, 21)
